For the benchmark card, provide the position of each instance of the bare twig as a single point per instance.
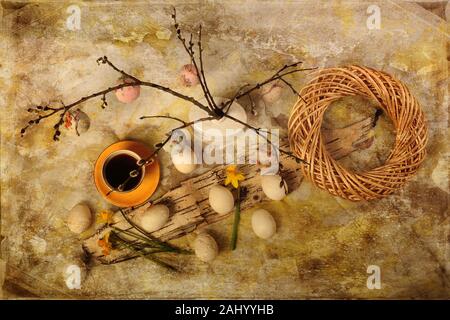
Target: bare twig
(287, 66)
(202, 70)
(46, 111)
(104, 60)
(293, 89)
(163, 117)
(190, 51)
(230, 102)
(275, 77)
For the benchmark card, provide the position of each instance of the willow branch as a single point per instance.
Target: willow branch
(275, 77)
(45, 112)
(202, 69)
(163, 117)
(105, 60)
(287, 66)
(230, 102)
(293, 89)
(189, 48)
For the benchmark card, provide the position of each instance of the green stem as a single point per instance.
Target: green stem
(147, 255)
(148, 238)
(237, 218)
(151, 242)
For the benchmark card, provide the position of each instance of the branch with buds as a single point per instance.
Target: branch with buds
(214, 111)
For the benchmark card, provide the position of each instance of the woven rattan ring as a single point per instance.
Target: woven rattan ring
(393, 96)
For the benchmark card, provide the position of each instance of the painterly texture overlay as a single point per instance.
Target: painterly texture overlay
(323, 244)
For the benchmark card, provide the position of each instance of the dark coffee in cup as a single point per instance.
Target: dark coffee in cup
(117, 169)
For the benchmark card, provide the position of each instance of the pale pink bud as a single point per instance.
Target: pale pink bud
(189, 76)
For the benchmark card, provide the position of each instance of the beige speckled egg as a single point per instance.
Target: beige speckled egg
(155, 217)
(274, 186)
(263, 224)
(184, 162)
(77, 122)
(205, 247)
(221, 199)
(82, 122)
(79, 218)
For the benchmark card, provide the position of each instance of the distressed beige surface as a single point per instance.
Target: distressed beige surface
(323, 245)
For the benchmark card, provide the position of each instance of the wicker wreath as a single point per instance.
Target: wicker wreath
(393, 96)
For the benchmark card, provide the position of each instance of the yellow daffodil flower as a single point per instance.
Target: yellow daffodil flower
(105, 216)
(233, 176)
(105, 245)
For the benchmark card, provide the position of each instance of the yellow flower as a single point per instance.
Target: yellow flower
(233, 176)
(105, 245)
(105, 216)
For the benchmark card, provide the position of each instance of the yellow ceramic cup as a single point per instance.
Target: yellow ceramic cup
(111, 159)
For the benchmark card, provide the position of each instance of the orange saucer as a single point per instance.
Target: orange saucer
(147, 185)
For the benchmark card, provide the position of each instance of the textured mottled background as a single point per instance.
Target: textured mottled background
(323, 245)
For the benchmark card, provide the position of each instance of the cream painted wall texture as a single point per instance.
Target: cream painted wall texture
(323, 244)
